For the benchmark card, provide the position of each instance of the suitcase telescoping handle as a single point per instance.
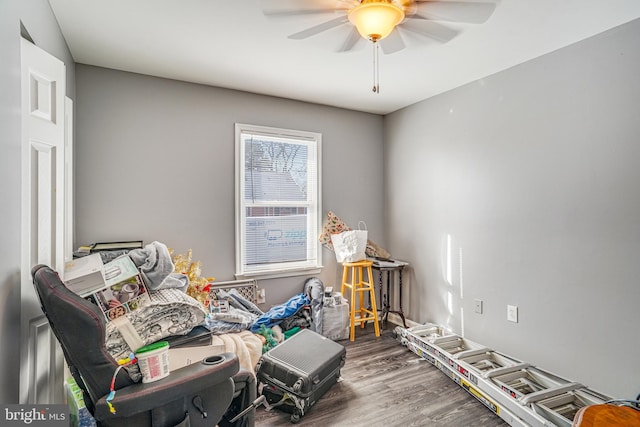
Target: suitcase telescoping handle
(259, 401)
(297, 386)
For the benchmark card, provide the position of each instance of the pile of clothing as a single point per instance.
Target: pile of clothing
(272, 327)
(243, 328)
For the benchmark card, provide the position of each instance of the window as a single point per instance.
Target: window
(277, 201)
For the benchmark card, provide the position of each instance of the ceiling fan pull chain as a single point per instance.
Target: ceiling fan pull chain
(376, 73)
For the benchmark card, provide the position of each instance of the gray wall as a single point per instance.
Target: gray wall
(533, 174)
(38, 19)
(155, 161)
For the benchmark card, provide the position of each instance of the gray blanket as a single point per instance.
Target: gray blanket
(156, 266)
(171, 312)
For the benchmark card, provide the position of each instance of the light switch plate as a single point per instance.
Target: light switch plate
(478, 305)
(512, 313)
(261, 298)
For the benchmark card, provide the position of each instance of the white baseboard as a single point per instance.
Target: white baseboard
(397, 320)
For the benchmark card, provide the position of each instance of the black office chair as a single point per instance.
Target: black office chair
(196, 395)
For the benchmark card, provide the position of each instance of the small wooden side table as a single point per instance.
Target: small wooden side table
(390, 266)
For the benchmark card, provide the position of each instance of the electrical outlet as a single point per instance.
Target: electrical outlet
(478, 303)
(512, 313)
(262, 296)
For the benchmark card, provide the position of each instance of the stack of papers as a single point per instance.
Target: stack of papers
(84, 275)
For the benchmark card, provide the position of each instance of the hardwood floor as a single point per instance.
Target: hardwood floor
(385, 384)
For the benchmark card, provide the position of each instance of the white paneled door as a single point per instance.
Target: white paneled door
(43, 217)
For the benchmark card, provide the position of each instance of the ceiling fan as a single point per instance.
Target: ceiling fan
(381, 21)
(423, 17)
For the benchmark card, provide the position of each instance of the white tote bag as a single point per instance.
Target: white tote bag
(350, 246)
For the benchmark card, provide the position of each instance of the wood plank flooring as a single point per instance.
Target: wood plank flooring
(385, 384)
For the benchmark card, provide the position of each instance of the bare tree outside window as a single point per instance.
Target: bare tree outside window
(278, 157)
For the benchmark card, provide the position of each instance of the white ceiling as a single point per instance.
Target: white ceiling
(232, 44)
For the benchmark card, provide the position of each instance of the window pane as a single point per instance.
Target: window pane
(275, 171)
(276, 235)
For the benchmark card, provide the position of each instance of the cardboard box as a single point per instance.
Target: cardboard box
(184, 356)
(78, 412)
(124, 290)
(218, 306)
(84, 275)
(119, 270)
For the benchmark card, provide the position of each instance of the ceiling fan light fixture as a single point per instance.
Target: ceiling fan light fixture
(375, 19)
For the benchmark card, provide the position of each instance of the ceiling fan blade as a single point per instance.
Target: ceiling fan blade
(351, 40)
(312, 31)
(296, 12)
(392, 43)
(455, 11)
(296, 7)
(430, 29)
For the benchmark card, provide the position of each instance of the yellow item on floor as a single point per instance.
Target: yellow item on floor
(607, 415)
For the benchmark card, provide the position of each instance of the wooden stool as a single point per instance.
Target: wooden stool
(358, 287)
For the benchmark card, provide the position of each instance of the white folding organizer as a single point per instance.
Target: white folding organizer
(520, 394)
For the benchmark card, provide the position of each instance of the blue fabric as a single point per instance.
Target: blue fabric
(280, 312)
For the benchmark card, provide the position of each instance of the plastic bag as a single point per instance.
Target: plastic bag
(314, 290)
(350, 246)
(301, 319)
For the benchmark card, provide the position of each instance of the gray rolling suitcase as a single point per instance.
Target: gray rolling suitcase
(296, 373)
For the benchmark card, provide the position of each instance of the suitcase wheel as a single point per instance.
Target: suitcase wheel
(295, 418)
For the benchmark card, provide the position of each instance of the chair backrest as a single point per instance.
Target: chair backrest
(79, 327)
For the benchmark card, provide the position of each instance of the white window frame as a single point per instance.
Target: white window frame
(313, 263)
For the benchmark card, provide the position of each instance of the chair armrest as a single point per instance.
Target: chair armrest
(244, 377)
(190, 379)
(245, 392)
